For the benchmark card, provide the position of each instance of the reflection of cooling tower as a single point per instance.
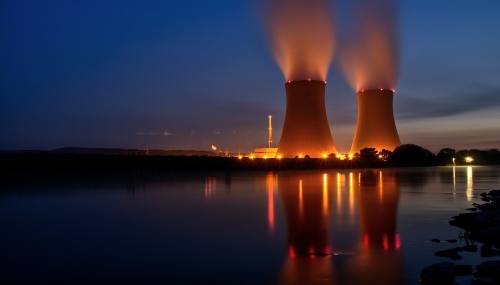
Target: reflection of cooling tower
(376, 127)
(306, 130)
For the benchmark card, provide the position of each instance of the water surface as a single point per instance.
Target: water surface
(294, 227)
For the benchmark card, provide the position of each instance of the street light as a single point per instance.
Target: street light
(468, 159)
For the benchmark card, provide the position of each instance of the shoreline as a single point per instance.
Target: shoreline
(481, 225)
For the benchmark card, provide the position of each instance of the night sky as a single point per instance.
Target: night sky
(191, 74)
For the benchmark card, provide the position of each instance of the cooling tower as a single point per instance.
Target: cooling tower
(376, 127)
(306, 130)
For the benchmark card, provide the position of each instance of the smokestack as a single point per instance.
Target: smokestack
(306, 130)
(270, 132)
(375, 127)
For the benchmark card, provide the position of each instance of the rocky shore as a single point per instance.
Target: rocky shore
(481, 225)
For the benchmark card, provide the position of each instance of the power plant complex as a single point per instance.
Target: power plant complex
(303, 41)
(306, 130)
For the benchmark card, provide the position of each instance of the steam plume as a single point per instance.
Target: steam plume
(301, 36)
(369, 53)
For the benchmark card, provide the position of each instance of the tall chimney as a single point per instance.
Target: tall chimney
(270, 132)
(375, 127)
(306, 130)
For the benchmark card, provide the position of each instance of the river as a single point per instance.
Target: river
(359, 226)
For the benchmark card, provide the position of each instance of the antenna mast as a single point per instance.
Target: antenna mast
(270, 132)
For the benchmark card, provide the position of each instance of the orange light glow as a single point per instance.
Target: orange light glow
(270, 200)
(369, 58)
(301, 36)
(279, 156)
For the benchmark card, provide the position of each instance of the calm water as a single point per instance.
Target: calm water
(235, 228)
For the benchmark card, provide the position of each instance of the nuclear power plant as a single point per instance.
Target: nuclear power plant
(375, 127)
(306, 130)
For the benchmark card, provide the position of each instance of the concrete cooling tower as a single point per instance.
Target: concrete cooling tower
(306, 130)
(375, 127)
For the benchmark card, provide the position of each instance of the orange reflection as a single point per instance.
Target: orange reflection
(308, 260)
(312, 258)
(379, 255)
(270, 200)
(210, 187)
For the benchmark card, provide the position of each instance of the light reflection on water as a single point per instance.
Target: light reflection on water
(295, 227)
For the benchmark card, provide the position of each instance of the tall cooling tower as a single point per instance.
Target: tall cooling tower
(306, 130)
(376, 127)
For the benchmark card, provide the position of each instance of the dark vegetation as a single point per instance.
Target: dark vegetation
(85, 161)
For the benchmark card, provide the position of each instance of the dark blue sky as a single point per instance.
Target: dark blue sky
(124, 74)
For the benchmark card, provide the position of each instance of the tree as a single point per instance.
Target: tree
(412, 155)
(384, 154)
(368, 154)
(446, 156)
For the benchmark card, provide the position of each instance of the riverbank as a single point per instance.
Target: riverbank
(481, 226)
(50, 163)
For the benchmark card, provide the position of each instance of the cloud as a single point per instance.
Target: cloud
(165, 133)
(413, 107)
(148, 134)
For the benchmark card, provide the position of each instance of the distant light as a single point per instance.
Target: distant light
(381, 89)
(265, 156)
(351, 156)
(379, 156)
(468, 159)
(279, 156)
(240, 157)
(309, 79)
(324, 155)
(251, 156)
(300, 155)
(289, 81)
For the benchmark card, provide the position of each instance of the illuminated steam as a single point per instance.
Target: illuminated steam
(301, 36)
(368, 55)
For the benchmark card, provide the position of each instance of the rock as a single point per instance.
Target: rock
(451, 240)
(458, 249)
(494, 193)
(462, 270)
(449, 253)
(470, 248)
(488, 207)
(479, 282)
(486, 199)
(435, 240)
(488, 251)
(484, 194)
(439, 273)
(487, 235)
(488, 270)
(475, 204)
(471, 209)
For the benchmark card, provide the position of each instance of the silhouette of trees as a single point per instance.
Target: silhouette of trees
(368, 154)
(384, 154)
(446, 156)
(412, 155)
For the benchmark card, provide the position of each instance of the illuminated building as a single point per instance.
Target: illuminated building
(306, 130)
(270, 151)
(375, 127)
